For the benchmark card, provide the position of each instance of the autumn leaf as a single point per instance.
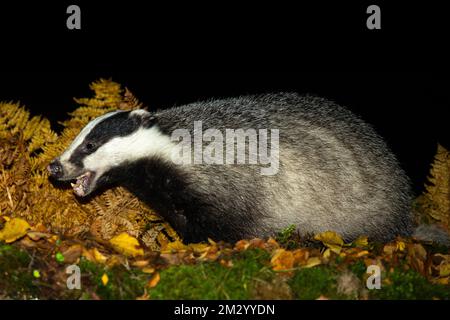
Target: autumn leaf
(98, 256)
(242, 245)
(361, 242)
(175, 246)
(312, 262)
(72, 253)
(154, 280)
(272, 244)
(140, 263)
(199, 247)
(127, 245)
(14, 229)
(401, 245)
(327, 253)
(444, 265)
(148, 270)
(105, 279)
(300, 256)
(282, 260)
(331, 240)
(390, 248)
(36, 236)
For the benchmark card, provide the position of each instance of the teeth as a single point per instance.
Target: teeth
(73, 185)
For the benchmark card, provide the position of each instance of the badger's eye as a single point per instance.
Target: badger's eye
(89, 146)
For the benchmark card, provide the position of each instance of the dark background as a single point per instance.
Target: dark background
(409, 109)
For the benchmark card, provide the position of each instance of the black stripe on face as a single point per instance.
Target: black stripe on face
(118, 125)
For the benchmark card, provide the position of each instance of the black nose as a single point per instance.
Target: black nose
(55, 168)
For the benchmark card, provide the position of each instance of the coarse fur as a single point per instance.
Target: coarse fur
(335, 172)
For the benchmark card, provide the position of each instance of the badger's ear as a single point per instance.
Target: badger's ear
(148, 120)
(145, 118)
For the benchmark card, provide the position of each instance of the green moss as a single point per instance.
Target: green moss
(311, 283)
(285, 237)
(122, 284)
(359, 269)
(16, 281)
(407, 285)
(214, 281)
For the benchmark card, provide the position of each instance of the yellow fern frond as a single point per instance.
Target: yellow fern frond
(437, 195)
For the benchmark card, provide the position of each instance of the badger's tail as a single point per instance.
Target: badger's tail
(432, 233)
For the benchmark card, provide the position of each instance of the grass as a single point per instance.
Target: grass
(213, 280)
(407, 285)
(16, 279)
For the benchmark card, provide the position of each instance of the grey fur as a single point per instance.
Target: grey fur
(336, 173)
(432, 233)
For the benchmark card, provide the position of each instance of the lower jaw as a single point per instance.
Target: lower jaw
(80, 192)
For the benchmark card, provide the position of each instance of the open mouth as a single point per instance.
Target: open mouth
(83, 183)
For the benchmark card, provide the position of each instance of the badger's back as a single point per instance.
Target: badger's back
(335, 173)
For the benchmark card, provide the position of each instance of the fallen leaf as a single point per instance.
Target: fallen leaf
(172, 259)
(98, 256)
(140, 263)
(36, 235)
(272, 244)
(242, 245)
(226, 263)
(148, 270)
(401, 245)
(72, 253)
(361, 242)
(444, 269)
(300, 256)
(115, 260)
(199, 247)
(282, 260)
(312, 262)
(127, 245)
(14, 229)
(257, 243)
(362, 254)
(40, 228)
(105, 279)
(390, 248)
(175, 246)
(154, 280)
(444, 281)
(145, 296)
(88, 254)
(331, 240)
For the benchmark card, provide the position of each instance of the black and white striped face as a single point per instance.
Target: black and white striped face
(106, 143)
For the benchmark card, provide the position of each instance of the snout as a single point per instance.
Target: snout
(55, 169)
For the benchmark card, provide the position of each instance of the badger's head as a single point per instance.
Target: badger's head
(103, 146)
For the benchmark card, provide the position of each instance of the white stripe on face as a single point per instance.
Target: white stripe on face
(86, 130)
(140, 144)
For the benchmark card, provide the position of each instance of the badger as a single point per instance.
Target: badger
(334, 172)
